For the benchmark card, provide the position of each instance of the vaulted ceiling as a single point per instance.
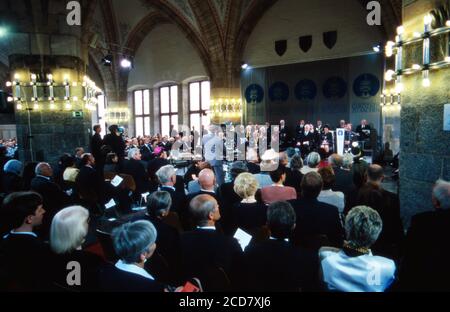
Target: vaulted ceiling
(217, 29)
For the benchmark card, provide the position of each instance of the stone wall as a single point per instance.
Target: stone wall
(424, 146)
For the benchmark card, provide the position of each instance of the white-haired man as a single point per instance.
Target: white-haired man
(425, 265)
(134, 167)
(167, 178)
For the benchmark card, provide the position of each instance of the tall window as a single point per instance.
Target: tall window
(169, 109)
(199, 98)
(142, 112)
(101, 100)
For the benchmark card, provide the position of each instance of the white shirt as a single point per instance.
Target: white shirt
(333, 198)
(307, 169)
(210, 228)
(132, 268)
(366, 273)
(20, 233)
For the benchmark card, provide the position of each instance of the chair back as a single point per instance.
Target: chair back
(215, 279)
(106, 242)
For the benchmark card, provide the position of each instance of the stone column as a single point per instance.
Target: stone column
(424, 146)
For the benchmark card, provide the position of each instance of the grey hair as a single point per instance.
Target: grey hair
(165, 173)
(363, 225)
(347, 161)
(441, 192)
(38, 169)
(132, 152)
(313, 160)
(131, 240)
(158, 203)
(296, 162)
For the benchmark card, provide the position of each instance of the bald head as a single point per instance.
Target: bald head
(204, 210)
(207, 180)
(375, 174)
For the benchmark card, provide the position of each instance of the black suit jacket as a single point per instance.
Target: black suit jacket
(249, 216)
(90, 264)
(425, 264)
(228, 198)
(114, 280)
(202, 249)
(116, 143)
(146, 152)
(90, 184)
(54, 199)
(136, 169)
(344, 181)
(179, 200)
(278, 266)
(294, 179)
(316, 218)
(167, 241)
(362, 135)
(96, 148)
(25, 258)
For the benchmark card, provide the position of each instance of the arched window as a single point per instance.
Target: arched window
(168, 101)
(199, 99)
(141, 102)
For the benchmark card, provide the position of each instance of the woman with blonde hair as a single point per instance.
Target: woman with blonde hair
(249, 213)
(68, 232)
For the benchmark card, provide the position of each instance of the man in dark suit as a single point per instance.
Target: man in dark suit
(159, 160)
(387, 205)
(90, 182)
(291, 268)
(206, 250)
(315, 219)
(54, 198)
(299, 130)
(207, 181)
(284, 135)
(147, 150)
(344, 178)
(24, 255)
(306, 141)
(115, 140)
(135, 168)
(167, 178)
(363, 130)
(96, 148)
(425, 263)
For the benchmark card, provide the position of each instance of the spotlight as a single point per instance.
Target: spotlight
(376, 48)
(447, 23)
(126, 63)
(10, 99)
(8, 84)
(389, 75)
(3, 31)
(107, 60)
(244, 66)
